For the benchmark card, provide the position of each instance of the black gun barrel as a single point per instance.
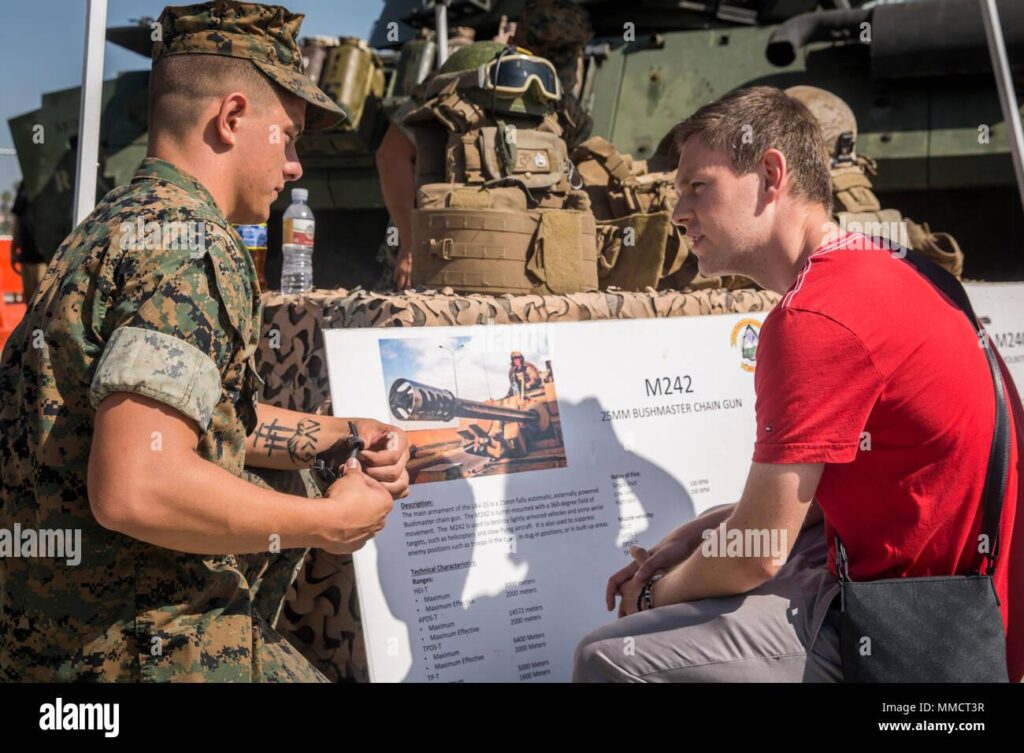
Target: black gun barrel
(907, 40)
(412, 401)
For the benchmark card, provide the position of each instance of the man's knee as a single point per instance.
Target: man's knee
(587, 663)
(601, 659)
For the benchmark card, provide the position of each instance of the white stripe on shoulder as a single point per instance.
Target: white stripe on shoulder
(837, 245)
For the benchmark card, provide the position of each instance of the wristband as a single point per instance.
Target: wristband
(645, 600)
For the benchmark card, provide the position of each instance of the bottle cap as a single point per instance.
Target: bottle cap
(300, 194)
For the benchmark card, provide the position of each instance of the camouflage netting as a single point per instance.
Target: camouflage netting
(321, 614)
(291, 355)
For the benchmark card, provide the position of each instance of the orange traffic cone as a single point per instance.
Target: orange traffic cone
(12, 305)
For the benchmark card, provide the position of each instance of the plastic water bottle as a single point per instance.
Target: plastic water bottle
(296, 268)
(297, 245)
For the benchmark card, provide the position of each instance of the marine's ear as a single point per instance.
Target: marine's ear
(233, 107)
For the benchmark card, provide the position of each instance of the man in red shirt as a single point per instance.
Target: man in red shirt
(875, 411)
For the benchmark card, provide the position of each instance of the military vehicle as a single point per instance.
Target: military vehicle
(916, 74)
(46, 141)
(520, 432)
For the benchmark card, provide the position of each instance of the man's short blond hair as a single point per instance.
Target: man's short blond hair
(745, 123)
(181, 86)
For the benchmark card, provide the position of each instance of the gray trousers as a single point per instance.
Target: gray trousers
(782, 631)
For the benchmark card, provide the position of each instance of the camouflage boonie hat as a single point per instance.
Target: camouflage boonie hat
(263, 34)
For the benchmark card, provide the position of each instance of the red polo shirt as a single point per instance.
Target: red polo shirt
(866, 367)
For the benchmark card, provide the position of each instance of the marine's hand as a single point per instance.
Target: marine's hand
(616, 582)
(385, 455)
(359, 507)
(630, 590)
(403, 270)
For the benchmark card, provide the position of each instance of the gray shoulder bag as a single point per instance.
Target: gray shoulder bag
(943, 628)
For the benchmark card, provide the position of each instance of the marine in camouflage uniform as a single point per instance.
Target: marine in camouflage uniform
(176, 320)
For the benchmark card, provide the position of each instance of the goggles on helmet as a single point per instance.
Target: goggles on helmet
(514, 74)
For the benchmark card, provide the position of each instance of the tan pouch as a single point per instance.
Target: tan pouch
(540, 157)
(885, 224)
(853, 191)
(941, 248)
(462, 159)
(633, 251)
(603, 162)
(472, 250)
(577, 200)
(455, 195)
(655, 192)
(433, 195)
(489, 250)
(562, 261)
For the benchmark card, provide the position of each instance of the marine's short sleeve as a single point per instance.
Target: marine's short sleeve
(175, 332)
(816, 385)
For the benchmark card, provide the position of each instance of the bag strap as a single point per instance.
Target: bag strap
(999, 454)
(607, 156)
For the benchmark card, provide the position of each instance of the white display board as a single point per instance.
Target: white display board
(495, 565)
(1000, 307)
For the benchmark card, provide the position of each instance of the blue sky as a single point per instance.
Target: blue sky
(42, 45)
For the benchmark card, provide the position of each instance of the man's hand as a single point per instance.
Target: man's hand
(385, 456)
(663, 556)
(362, 505)
(666, 554)
(403, 270)
(631, 588)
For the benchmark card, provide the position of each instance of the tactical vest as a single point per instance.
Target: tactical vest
(858, 209)
(495, 212)
(637, 243)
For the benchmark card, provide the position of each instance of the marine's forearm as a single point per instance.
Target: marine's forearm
(400, 201)
(287, 439)
(203, 509)
(396, 164)
(146, 480)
